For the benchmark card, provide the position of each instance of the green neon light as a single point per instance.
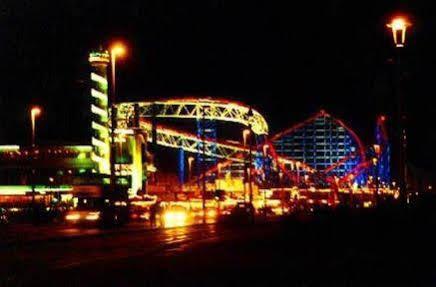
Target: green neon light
(99, 95)
(102, 129)
(100, 112)
(79, 148)
(23, 189)
(100, 144)
(81, 156)
(99, 79)
(99, 57)
(9, 148)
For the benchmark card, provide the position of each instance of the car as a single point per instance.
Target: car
(243, 212)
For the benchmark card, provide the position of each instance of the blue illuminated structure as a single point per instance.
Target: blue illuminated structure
(206, 129)
(325, 144)
(181, 166)
(384, 160)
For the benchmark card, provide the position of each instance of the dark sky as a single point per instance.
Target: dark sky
(288, 61)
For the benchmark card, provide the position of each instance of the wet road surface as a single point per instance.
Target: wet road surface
(89, 257)
(331, 250)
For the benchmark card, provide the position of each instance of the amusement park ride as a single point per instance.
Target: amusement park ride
(266, 161)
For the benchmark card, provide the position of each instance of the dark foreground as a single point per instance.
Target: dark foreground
(388, 248)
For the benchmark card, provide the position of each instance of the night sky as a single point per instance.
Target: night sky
(287, 61)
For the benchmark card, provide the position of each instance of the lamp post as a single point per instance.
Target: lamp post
(190, 161)
(398, 26)
(203, 163)
(297, 168)
(245, 134)
(35, 112)
(116, 50)
(219, 167)
(376, 163)
(250, 157)
(282, 192)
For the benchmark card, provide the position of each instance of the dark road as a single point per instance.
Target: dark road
(37, 261)
(329, 251)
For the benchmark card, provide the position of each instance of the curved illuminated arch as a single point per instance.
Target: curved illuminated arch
(191, 108)
(337, 121)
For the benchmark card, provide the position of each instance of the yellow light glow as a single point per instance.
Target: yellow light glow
(367, 204)
(72, 216)
(377, 149)
(35, 111)
(399, 26)
(175, 218)
(118, 49)
(92, 216)
(211, 213)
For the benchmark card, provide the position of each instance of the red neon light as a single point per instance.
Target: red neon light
(323, 113)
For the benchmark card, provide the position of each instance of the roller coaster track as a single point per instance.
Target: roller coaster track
(219, 110)
(192, 143)
(195, 109)
(199, 109)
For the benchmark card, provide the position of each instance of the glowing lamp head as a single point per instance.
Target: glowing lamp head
(297, 164)
(377, 149)
(219, 166)
(399, 26)
(118, 49)
(265, 149)
(35, 111)
(245, 134)
(190, 160)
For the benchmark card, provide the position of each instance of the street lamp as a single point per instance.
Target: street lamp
(190, 160)
(245, 134)
(297, 168)
(282, 192)
(265, 149)
(219, 167)
(116, 50)
(250, 154)
(399, 26)
(376, 163)
(35, 112)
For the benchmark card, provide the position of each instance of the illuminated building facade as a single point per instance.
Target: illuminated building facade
(51, 165)
(99, 108)
(324, 143)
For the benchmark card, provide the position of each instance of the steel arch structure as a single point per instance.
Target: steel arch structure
(190, 108)
(190, 142)
(197, 109)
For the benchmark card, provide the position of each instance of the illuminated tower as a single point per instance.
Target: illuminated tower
(100, 116)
